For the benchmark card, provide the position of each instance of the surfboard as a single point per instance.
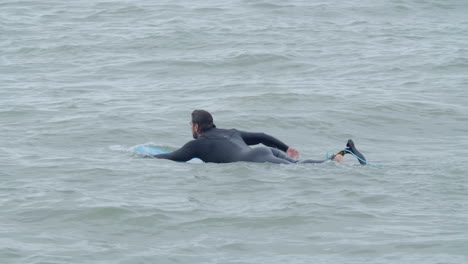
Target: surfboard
(142, 151)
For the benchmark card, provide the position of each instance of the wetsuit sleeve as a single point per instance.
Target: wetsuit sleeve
(253, 138)
(185, 153)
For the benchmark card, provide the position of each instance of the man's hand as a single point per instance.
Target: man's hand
(292, 153)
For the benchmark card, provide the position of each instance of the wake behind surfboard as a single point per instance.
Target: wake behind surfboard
(144, 151)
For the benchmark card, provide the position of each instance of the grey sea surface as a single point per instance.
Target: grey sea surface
(84, 82)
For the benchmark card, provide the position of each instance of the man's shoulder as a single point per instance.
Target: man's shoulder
(221, 130)
(192, 142)
(228, 129)
(219, 133)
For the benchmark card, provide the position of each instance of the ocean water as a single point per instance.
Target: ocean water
(83, 82)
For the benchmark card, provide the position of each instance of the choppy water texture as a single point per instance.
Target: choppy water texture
(82, 82)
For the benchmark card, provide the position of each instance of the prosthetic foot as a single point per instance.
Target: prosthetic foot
(350, 146)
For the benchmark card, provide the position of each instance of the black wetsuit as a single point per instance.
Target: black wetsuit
(231, 145)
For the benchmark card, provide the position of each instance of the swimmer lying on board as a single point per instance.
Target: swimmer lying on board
(217, 145)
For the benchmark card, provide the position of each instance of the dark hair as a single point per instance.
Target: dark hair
(203, 119)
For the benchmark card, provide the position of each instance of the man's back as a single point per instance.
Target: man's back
(222, 146)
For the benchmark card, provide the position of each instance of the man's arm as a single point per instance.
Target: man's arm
(253, 138)
(185, 153)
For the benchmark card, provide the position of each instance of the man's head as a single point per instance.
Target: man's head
(201, 122)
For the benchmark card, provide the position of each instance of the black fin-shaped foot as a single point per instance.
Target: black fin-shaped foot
(350, 146)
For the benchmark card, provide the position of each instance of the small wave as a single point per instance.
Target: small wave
(266, 5)
(111, 10)
(120, 148)
(209, 10)
(104, 212)
(256, 58)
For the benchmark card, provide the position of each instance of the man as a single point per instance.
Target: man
(217, 145)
